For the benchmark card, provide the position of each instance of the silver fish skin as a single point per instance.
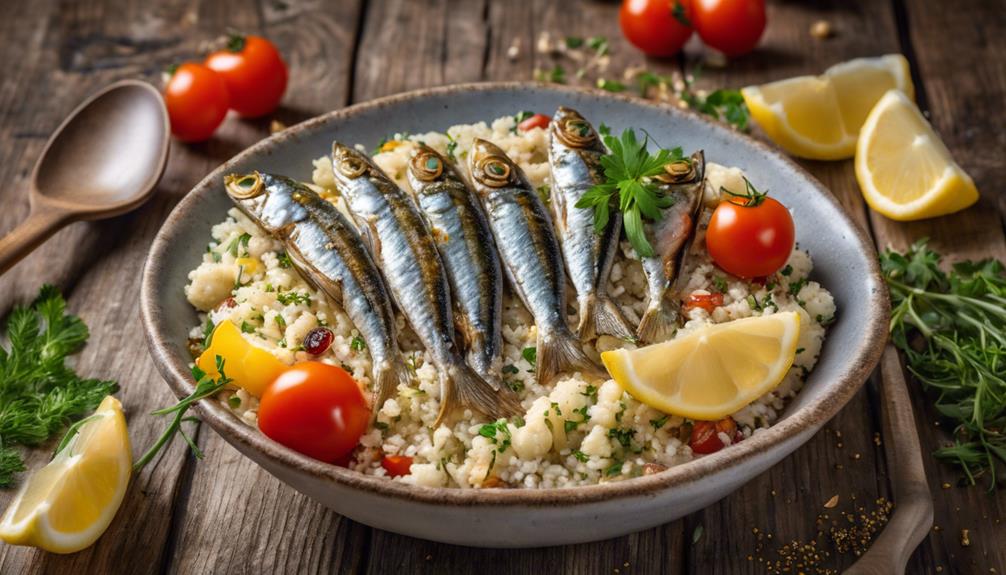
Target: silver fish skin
(462, 235)
(530, 254)
(328, 251)
(410, 262)
(574, 155)
(671, 238)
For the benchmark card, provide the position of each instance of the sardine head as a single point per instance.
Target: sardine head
(427, 167)
(273, 202)
(572, 129)
(490, 166)
(349, 164)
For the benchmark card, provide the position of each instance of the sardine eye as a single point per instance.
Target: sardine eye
(576, 132)
(351, 167)
(244, 187)
(427, 166)
(677, 171)
(493, 171)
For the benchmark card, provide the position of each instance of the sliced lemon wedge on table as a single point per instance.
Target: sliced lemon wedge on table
(68, 504)
(819, 117)
(712, 372)
(904, 169)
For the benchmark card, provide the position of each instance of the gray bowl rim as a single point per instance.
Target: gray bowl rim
(175, 368)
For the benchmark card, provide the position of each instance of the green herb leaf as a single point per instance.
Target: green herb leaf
(951, 328)
(357, 344)
(610, 85)
(530, 355)
(678, 11)
(39, 393)
(574, 42)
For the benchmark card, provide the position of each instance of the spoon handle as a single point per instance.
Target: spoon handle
(42, 222)
(913, 515)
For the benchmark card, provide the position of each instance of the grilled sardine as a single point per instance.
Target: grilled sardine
(530, 255)
(459, 227)
(574, 154)
(408, 257)
(328, 251)
(671, 238)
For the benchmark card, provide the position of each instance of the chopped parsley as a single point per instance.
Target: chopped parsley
(284, 260)
(610, 85)
(613, 469)
(292, 297)
(247, 327)
(581, 456)
(510, 368)
(622, 435)
(357, 344)
(659, 422)
(530, 355)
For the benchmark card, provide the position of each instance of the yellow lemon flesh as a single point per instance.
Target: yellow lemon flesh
(713, 372)
(251, 367)
(68, 504)
(904, 170)
(819, 117)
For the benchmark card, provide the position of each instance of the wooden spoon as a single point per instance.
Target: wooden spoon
(104, 160)
(913, 512)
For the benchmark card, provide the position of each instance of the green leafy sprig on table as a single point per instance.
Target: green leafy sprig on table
(951, 326)
(39, 393)
(206, 386)
(628, 168)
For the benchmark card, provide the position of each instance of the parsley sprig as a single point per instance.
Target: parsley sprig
(39, 393)
(628, 169)
(951, 327)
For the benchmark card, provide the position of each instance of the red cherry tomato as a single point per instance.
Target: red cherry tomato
(255, 74)
(397, 465)
(651, 25)
(705, 435)
(316, 409)
(197, 100)
(750, 236)
(535, 121)
(731, 26)
(708, 302)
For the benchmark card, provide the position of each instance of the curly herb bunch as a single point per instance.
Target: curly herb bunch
(39, 393)
(628, 169)
(952, 329)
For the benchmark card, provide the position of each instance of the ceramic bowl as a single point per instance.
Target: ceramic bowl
(844, 262)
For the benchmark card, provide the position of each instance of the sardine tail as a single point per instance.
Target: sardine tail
(387, 380)
(656, 325)
(461, 385)
(561, 352)
(608, 319)
(586, 329)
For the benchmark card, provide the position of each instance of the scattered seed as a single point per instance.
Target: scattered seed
(945, 485)
(965, 538)
(276, 126)
(831, 503)
(821, 30)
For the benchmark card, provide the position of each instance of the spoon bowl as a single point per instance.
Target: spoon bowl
(104, 160)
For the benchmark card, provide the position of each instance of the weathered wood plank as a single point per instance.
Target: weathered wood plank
(842, 459)
(235, 517)
(81, 47)
(964, 104)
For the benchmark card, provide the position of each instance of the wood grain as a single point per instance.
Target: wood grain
(226, 515)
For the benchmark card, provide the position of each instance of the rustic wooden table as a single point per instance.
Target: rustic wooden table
(224, 514)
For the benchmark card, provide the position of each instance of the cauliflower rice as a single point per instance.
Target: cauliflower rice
(572, 432)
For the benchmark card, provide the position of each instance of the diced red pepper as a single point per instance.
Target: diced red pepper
(708, 302)
(397, 465)
(705, 435)
(535, 121)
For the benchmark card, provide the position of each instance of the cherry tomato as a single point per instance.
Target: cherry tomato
(255, 74)
(316, 409)
(197, 100)
(651, 25)
(535, 121)
(706, 301)
(750, 236)
(705, 435)
(731, 26)
(397, 465)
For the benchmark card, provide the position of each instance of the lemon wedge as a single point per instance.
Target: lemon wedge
(68, 504)
(904, 170)
(819, 117)
(713, 372)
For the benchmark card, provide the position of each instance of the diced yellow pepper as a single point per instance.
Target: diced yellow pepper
(251, 367)
(249, 266)
(390, 145)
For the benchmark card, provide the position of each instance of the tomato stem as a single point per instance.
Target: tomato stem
(236, 42)
(751, 196)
